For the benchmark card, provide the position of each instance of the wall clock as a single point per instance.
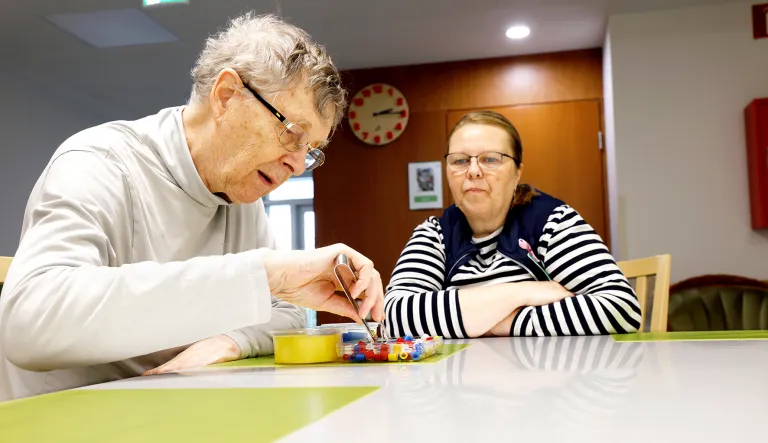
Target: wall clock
(378, 114)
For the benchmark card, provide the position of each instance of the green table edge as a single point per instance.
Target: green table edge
(268, 361)
(691, 336)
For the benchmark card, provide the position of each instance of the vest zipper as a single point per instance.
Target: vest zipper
(448, 276)
(519, 264)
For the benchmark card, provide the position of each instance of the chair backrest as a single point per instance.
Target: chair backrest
(641, 269)
(5, 263)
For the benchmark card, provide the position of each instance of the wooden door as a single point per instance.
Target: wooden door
(561, 154)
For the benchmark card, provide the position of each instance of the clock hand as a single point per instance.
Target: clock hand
(386, 111)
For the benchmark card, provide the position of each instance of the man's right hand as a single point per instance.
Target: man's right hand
(306, 278)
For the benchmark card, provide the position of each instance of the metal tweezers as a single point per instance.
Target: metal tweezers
(343, 266)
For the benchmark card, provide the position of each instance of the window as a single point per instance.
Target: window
(292, 216)
(291, 213)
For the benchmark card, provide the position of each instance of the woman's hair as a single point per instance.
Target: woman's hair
(523, 193)
(270, 55)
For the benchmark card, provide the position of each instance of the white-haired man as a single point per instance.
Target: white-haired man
(143, 237)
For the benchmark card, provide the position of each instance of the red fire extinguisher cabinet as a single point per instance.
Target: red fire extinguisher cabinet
(756, 114)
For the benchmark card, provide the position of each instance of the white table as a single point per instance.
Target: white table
(565, 389)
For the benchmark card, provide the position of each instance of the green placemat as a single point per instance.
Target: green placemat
(448, 350)
(170, 415)
(692, 336)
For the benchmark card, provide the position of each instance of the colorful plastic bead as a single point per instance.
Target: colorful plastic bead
(360, 357)
(392, 357)
(404, 356)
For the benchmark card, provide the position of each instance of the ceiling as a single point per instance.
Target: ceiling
(128, 82)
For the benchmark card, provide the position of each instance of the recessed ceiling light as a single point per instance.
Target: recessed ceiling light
(518, 32)
(163, 2)
(113, 28)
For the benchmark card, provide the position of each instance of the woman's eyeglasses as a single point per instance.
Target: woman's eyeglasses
(459, 162)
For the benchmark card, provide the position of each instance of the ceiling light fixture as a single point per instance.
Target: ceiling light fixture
(162, 2)
(518, 32)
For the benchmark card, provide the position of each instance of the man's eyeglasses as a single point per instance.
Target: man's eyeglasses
(291, 135)
(459, 162)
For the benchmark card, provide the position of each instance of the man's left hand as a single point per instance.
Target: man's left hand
(217, 349)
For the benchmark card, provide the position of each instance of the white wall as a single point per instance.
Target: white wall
(34, 120)
(681, 80)
(609, 144)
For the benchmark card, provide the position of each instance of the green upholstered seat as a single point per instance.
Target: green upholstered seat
(718, 303)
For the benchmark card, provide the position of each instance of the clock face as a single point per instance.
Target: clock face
(378, 114)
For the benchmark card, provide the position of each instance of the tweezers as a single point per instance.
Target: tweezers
(342, 264)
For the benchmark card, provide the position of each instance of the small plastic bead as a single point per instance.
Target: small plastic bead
(345, 357)
(416, 356)
(400, 340)
(384, 356)
(403, 356)
(392, 357)
(408, 338)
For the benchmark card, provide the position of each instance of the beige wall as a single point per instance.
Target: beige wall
(680, 80)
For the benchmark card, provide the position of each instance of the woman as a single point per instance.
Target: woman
(505, 260)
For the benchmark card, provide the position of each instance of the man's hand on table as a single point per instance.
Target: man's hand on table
(217, 349)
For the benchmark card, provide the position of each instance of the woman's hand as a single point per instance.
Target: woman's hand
(539, 293)
(490, 310)
(306, 278)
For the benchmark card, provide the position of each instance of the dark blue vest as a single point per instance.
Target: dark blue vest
(523, 221)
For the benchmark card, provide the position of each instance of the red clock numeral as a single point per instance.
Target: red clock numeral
(399, 126)
(352, 115)
(391, 92)
(365, 136)
(366, 93)
(390, 135)
(357, 126)
(377, 139)
(359, 102)
(377, 89)
(399, 101)
(403, 113)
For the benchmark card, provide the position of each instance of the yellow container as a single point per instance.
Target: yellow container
(305, 346)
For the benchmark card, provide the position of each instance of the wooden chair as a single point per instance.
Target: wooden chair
(5, 263)
(641, 269)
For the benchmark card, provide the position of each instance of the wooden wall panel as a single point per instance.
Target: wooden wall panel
(361, 193)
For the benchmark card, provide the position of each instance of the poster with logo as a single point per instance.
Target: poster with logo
(425, 185)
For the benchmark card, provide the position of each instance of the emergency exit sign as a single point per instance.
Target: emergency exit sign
(760, 20)
(162, 2)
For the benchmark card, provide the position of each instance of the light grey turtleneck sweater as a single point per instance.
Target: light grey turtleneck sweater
(125, 259)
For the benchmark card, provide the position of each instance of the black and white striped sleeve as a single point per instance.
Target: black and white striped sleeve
(575, 256)
(415, 302)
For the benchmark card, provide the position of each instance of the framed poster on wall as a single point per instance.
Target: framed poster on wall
(425, 185)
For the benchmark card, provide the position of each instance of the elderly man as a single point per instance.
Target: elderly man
(142, 237)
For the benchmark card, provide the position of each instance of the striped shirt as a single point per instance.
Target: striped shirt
(419, 301)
